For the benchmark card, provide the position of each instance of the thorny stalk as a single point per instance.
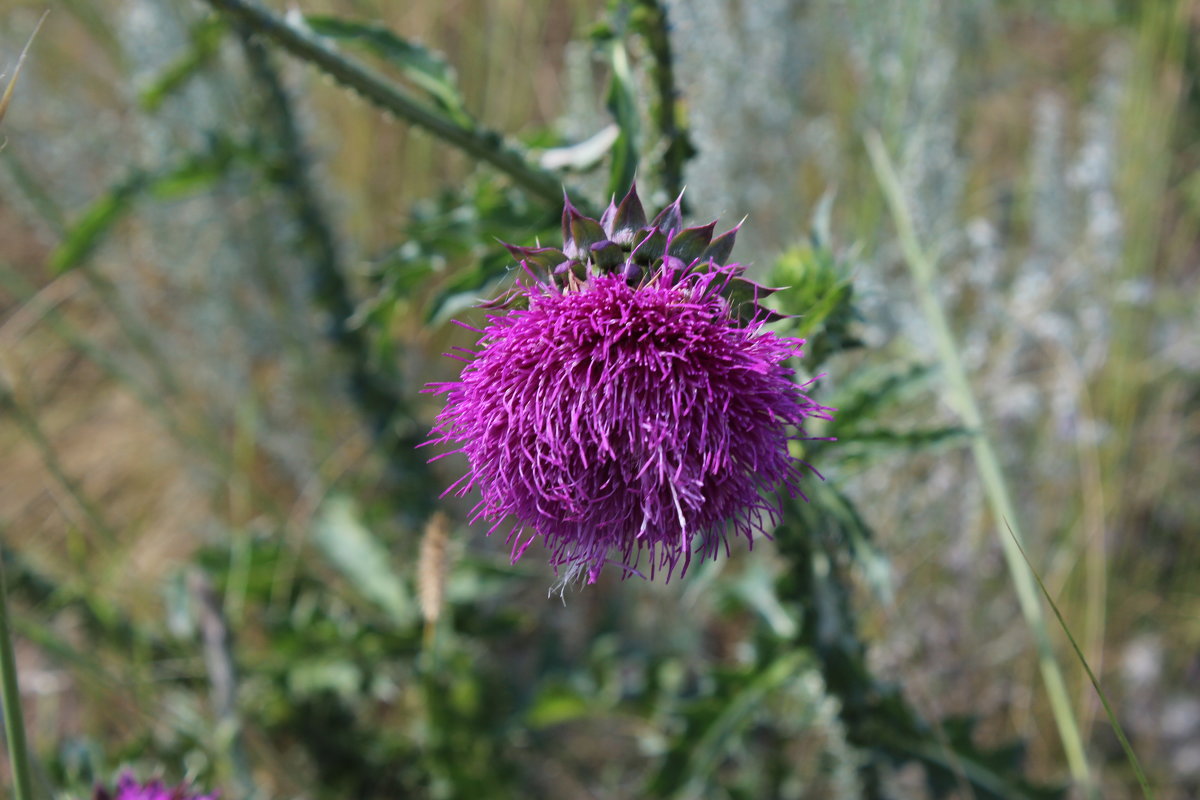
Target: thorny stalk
(679, 150)
(480, 142)
(380, 403)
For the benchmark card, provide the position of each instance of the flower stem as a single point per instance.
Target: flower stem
(986, 461)
(10, 698)
(482, 143)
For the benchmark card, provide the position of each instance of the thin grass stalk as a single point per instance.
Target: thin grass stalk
(10, 698)
(30, 426)
(102, 357)
(1130, 755)
(986, 461)
(1150, 140)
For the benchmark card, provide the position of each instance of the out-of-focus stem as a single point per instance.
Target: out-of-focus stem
(382, 405)
(216, 645)
(10, 697)
(668, 116)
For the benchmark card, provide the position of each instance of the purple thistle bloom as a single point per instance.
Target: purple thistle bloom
(129, 788)
(627, 408)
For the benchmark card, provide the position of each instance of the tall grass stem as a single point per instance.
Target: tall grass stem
(1130, 755)
(10, 697)
(986, 461)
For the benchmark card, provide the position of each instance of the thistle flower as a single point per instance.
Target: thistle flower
(128, 788)
(625, 399)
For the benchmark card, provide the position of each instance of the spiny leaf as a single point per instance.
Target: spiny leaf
(607, 255)
(426, 68)
(585, 232)
(196, 172)
(746, 297)
(542, 258)
(920, 438)
(649, 244)
(877, 388)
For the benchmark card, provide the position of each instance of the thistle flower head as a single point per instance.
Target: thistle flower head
(129, 788)
(625, 401)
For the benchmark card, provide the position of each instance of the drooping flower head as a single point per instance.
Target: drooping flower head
(625, 399)
(129, 788)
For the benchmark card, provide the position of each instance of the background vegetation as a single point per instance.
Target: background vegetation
(224, 279)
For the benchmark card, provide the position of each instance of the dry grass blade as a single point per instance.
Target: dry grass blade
(1143, 782)
(987, 461)
(8, 90)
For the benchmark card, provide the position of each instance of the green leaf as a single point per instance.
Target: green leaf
(405, 276)
(87, 234)
(991, 774)
(874, 389)
(756, 587)
(622, 105)
(313, 677)
(711, 723)
(582, 156)
(206, 40)
(425, 68)
(362, 558)
(881, 440)
(556, 704)
(194, 172)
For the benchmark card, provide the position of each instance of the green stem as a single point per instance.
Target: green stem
(10, 697)
(382, 404)
(668, 113)
(986, 461)
(482, 143)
